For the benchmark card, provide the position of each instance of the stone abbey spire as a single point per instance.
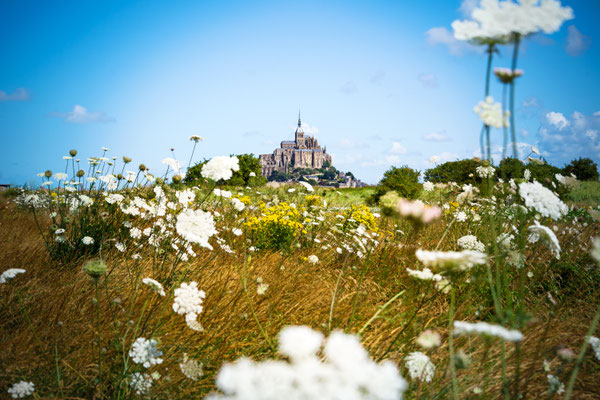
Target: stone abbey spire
(302, 152)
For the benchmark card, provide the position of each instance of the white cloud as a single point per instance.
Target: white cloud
(428, 80)
(575, 137)
(557, 119)
(310, 130)
(20, 94)
(397, 148)
(577, 43)
(441, 35)
(467, 7)
(596, 114)
(436, 137)
(80, 115)
(349, 88)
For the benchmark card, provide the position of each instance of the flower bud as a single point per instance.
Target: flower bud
(176, 178)
(126, 160)
(95, 268)
(159, 181)
(80, 173)
(142, 167)
(48, 173)
(73, 152)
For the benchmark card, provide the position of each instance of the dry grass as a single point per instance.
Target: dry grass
(62, 334)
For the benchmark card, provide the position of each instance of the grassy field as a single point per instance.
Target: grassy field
(334, 267)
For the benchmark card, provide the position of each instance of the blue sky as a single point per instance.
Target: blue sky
(380, 83)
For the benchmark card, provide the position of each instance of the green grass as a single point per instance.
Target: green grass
(588, 193)
(348, 196)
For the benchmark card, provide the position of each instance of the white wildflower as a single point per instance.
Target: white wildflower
(21, 389)
(425, 274)
(144, 351)
(483, 328)
(313, 259)
(154, 285)
(188, 300)
(595, 343)
(491, 114)
(428, 186)
(10, 273)
(429, 339)
(542, 200)
(87, 240)
(196, 226)
(220, 167)
(419, 366)
(451, 260)
(140, 383)
(547, 236)
(470, 242)
(191, 368)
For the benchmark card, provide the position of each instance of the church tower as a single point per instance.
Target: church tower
(299, 131)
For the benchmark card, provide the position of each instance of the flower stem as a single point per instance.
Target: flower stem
(512, 95)
(451, 345)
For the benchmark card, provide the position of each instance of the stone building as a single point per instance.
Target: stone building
(302, 152)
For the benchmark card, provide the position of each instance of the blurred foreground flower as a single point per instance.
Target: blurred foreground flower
(483, 328)
(347, 372)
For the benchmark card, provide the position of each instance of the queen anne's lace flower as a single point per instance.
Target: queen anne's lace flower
(21, 389)
(188, 302)
(144, 351)
(346, 372)
(491, 114)
(429, 339)
(542, 200)
(419, 366)
(451, 260)
(425, 274)
(196, 226)
(547, 236)
(220, 167)
(313, 259)
(10, 273)
(154, 285)
(495, 19)
(595, 343)
(191, 368)
(140, 383)
(483, 328)
(470, 242)
(428, 186)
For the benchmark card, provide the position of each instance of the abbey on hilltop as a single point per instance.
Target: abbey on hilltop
(302, 152)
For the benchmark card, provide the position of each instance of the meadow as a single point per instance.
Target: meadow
(461, 295)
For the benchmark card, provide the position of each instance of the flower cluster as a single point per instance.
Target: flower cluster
(470, 242)
(542, 200)
(496, 19)
(491, 113)
(347, 372)
(144, 351)
(419, 366)
(188, 302)
(451, 260)
(484, 328)
(220, 167)
(196, 226)
(10, 273)
(21, 389)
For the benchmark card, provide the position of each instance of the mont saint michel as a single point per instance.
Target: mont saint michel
(302, 152)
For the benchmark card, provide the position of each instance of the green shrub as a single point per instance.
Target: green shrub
(461, 172)
(585, 169)
(403, 180)
(511, 168)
